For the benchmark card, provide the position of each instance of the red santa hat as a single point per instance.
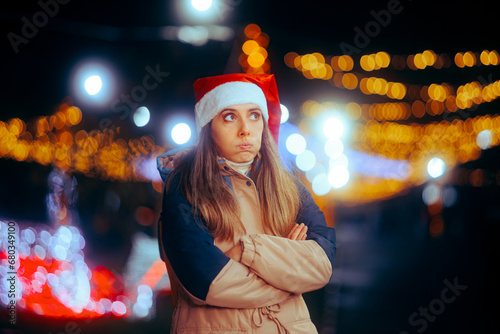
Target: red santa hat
(216, 93)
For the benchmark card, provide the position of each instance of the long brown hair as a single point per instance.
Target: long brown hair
(202, 184)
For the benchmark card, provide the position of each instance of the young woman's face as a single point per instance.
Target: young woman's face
(237, 132)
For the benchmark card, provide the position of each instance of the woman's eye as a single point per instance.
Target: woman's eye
(255, 116)
(229, 117)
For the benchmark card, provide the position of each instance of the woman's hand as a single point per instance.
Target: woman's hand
(298, 232)
(235, 252)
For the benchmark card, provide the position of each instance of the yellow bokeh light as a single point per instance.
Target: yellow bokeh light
(345, 63)
(419, 61)
(400, 89)
(309, 61)
(256, 59)
(329, 72)
(337, 80)
(16, 126)
(353, 110)
(262, 39)
(335, 64)
(382, 59)
(410, 62)
(370, 85)
(297, 62)
(290, 59)
(319, 71)
(493, 57)
(252, 31)
(363, 86)
(380, 86)
(469, 59)
(250, 46)
(367, 63)
(319, 57)
(350, 81)
(484, 57)
(74, 115)
(459, 60)
(429, 57)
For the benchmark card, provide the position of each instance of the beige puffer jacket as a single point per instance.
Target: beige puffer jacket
(260, 294)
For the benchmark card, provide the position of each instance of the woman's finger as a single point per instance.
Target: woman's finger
(298, 232)
(302, 233)
(289, 236)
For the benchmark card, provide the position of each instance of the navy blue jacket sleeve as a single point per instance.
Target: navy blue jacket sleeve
(188, 244)
(310, 214)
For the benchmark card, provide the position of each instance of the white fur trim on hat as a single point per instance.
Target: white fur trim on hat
(225, 95)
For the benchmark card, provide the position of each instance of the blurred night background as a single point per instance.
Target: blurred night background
(391, 119)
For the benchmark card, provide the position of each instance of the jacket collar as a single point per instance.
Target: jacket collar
(227, 170)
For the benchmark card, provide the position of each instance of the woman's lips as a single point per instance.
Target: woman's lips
(245, 147)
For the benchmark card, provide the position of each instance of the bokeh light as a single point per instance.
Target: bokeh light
(296, 143)
(181, 133)
(338, 176)
(141, 116)
(333, 127)
(285, 114)
(93, 84)
(305, 160)
(436, 167)
(201, 5)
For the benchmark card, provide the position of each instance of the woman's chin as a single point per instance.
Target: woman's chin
(243, 157)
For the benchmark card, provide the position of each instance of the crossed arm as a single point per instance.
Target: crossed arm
(298, 232)
(260, 270)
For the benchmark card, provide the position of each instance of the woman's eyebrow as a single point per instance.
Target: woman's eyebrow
(231, 109)
(227, 109)
(255, 109)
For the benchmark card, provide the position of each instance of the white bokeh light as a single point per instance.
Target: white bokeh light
(431, 194)
(341, 160)
(305, 160)
(285, 114)
(317, 169)
(201, 5)
(338, 176)
(484, 139)
(296, 143)
(333, 127)
(320, 184)
(334, 147)
(93, 84)
(435, 167)
(181, 133)
(141, 116)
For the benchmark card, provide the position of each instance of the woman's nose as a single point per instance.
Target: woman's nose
(245, 129)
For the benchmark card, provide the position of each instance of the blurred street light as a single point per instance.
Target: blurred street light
(201, 5)
(285, 114)
(93, 84)
(435, 167)
(141, 116)
(181, 133)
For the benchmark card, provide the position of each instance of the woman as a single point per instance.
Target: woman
(242, 237)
